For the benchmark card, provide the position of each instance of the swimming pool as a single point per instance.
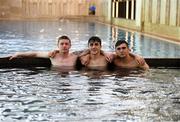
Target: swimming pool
(40, 94)
(41, 35)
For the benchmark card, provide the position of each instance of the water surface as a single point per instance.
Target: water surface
(18, 36)
(49, 95)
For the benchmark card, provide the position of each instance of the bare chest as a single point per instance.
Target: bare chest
(99, 62)
(59, 61)
(130, 64)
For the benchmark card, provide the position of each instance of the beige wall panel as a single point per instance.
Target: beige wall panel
(65, 9)
(86, 9)
(146, 11)
(74, 5)
(57, 8)
(30, 8)
(113, 9)
(178, 13)
(15, 3)
(131, 24)
(138, 12)
(80, 8)
(158, 11)
(61, 9)
(106, 10)
(35, 10)
(68, 8)
(173, 12)
(163, 30)
(167, 12)
(46, 8)
(23, 7)
(4, 2)
(163, 12)
(76, 8)
(49, 9)
(43, 7)
(98, 9)
(54, 8)
(154, 11)
(40, 7)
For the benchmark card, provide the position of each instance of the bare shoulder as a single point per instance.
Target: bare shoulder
(141, 62)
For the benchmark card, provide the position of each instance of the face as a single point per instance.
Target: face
(122, 50)
(64, 45)
(94, 47)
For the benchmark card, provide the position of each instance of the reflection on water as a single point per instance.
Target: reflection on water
(146, 46)
(33, 35)
(51, 95)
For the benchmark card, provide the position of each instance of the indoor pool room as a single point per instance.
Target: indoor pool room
(49, 94)
(37, 87)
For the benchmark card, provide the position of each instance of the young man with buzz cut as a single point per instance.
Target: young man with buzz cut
(123, 58)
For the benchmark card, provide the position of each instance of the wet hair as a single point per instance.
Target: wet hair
(64, 37)
(119, 42)
(94, 39)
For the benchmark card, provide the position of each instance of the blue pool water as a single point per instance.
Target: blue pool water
(24, 36)
(40, 94)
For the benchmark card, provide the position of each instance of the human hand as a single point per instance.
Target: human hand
(109, 56)
(85, 59)
(53, 53)
(140, 60)
(16, 55)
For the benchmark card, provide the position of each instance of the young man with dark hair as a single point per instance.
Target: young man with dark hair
(124, 59)
(95, 56)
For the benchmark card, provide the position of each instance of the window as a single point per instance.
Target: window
(124, 9)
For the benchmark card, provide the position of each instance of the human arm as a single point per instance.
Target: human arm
(29, 54)
(82, 52)
(52, 54)
(109, 55)
(141, 62)
(83, 56)
(85, 59)
(78, 53)
(143, 66)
